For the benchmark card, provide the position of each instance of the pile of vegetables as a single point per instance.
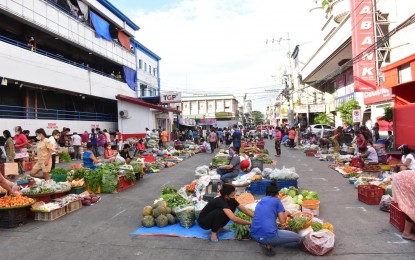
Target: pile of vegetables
(316, 226)
(241, 231)
(78, 183)
(219, 161)
(157, 214)
(35, 190)
(297, 223)
(265, 158)
(191, 187)
(299, 197)
(90, 199)
(15, 201)
(65, 157)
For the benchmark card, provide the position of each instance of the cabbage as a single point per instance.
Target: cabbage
(291, 193)
(304, 193)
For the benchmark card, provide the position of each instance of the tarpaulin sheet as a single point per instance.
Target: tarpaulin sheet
(404, 125)
(102, 28)
(178, 231)
(124, 40)
(130, 76)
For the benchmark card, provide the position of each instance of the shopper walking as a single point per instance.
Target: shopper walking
(94, 142)
(164, 138)
(76, 143)
(291, 137)
(9, 146)
(236, 138)
(101, 142)
(213, 140)
(277, 140)
(44, 153)
(53, 139)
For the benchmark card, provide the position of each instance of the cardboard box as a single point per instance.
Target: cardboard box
(10, 169)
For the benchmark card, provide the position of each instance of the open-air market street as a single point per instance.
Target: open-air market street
(102, 231)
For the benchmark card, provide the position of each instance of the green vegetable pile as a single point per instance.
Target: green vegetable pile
(59, 171)
(39, 190)
(168, 190)
(317, 226)
(241, 231)
(265, 158)
(65, 157)
(219, 161)
(175, 200)
(297, 223)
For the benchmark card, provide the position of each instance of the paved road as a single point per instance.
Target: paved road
(102, 231)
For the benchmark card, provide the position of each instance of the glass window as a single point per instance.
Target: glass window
(145, 67)
(154, 71)
(228, 104)
(149, 68)
(317, 127)
(140, 64)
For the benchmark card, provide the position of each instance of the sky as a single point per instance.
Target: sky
(219, 46)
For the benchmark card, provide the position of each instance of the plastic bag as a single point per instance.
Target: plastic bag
(256, 171)
(385, 203)
(199, 207)
(201, 170)
(289, 205)
(266, 172)
(304, 232)
(118, 158)
(186, 216)
(319, 243)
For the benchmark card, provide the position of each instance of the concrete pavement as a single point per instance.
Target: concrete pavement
(102, 231)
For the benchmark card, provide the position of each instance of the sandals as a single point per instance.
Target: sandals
(408, 237)
(267, 250)
(213, 240)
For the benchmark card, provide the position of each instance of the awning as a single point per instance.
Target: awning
(145, 104)
(124, 40)
(152, 100)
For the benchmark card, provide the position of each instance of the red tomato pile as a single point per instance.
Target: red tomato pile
(15, 201)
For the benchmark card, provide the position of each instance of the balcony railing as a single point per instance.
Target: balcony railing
(55, 57)
(18, 112)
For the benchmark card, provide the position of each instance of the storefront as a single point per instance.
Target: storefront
(400, 78)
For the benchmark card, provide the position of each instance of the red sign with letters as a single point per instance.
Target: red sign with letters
(379, 95)
(363, 39)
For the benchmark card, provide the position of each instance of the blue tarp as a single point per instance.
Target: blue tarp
(130, 76)
(102, 28)
(178, 231)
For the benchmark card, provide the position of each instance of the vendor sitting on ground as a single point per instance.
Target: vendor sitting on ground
(229, 172)
(124, 153)
(109, 154)
(89, 159)
(324, 143)
(408, 161)
(370, 155)
(217, 213)
(140, 147)
(264, 229)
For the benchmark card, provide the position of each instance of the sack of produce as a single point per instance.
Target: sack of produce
(199, 207)
(318, 243)
(385, 203)
(186, 216)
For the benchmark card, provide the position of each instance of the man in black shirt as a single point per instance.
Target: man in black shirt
(124, 153)
(229, 172)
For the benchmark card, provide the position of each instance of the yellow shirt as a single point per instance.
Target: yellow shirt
(43, 147)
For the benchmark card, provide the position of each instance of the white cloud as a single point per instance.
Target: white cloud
(217, 45)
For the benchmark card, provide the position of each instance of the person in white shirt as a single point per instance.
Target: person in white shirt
(371, 155)
(76, 143)
(54, 142)
(408, 161)
(148, 134)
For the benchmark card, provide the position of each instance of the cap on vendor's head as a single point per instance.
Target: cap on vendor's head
(404, 149)
(245, 164)
(127, 146)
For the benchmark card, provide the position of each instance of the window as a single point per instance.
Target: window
(318, 126)
(140, 64)
(228, 104)
(405, 73)
(145, 67)
(149, 69)
(154, 72)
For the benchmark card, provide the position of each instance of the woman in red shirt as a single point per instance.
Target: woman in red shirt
(109, 154)
(291, 136)
(277, 139)
(20, 140)
(140, 147)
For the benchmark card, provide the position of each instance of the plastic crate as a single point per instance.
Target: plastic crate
(50, 216)
(286, 184)
(259, 187)
(73, 206)
(13, 217)
(59, 177)
(77, 190)
(148, 158)
(256, 163)
(397, 217)
(370, 194)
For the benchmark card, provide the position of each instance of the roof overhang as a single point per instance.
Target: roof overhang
(145, 104)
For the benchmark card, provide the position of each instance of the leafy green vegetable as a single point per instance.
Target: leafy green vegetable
(59, 171)
(297, 223)
(81, 173)
(317, 226)
(241, 231)
(109, 181)
(168, 190)
(94, 179)
(174, 200)
(130, 176)
(219, 161)
(65, 157)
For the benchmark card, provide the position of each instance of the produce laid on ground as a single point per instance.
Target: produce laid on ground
(89, 199)
(41, 206)
(241, 231)
(42, 188)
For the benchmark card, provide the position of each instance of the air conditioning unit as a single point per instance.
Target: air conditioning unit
(124, 113)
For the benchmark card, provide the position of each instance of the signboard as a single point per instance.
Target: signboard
(187, 121)
(357, 115)
(224, 115)
(52, 126)
(344, 99)
(379, 95)
(363, 37)
(301, 109)
(171, 97)
(317, 108)
(207, 121)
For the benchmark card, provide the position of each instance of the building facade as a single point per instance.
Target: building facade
(64, 63)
